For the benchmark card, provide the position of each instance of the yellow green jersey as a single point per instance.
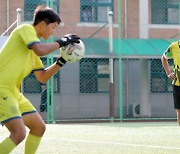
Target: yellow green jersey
(17, 59)
(173, 52)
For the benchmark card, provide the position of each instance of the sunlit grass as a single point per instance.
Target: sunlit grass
(107, 138)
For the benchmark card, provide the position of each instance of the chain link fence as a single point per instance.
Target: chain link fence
(134, 87)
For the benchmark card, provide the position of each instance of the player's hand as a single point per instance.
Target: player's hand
(172, 76)
(61, 61)
(66, 52)
(68, 39)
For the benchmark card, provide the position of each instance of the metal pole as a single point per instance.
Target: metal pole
(7, 12)
(127, 87)
(111, 85)
(19, 11)
(50, 83)
(120, 63)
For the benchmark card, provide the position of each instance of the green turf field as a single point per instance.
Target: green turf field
(108, 138)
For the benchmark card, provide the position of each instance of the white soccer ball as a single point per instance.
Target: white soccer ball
(73, 52)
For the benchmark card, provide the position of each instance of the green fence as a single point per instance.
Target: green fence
(121, 76)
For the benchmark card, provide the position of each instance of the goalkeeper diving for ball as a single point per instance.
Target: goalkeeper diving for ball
(19, 56)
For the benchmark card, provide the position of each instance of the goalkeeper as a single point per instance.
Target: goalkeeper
(19, 56)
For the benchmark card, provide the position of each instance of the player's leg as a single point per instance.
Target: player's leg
(34, 122)
(178, 116)
(31, 117)
(37, 128)
(10, 116)
(176, 96)
(17, 134)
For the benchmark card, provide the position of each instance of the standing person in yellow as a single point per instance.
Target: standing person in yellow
(173, 52)
(19, 56)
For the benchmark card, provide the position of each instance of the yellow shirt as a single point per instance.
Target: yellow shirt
(173, 51)
(17, 60)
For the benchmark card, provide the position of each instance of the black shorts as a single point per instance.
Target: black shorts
(176, 95)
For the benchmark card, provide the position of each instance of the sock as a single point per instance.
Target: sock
(32, 143)
(7, 146)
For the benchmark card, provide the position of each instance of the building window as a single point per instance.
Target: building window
(95, 10)
(160, 83)
(165, 11)
(94, 75)
(30, 6)
(32, 85)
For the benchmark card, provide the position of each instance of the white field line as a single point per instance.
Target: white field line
(123, 144)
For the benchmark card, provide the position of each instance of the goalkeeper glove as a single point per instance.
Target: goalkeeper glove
(61, 61)
(68, 39)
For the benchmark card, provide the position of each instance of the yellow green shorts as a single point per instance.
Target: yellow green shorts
(13, 106)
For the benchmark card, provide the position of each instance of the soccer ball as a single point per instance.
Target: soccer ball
(73, 52)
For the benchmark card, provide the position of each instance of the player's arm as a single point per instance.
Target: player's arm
(42, 49)
(44, 75)
(165, 65)
(167, 69)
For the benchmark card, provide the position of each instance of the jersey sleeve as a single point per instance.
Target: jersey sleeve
(37, 63)
(28, 35)
(168, 53)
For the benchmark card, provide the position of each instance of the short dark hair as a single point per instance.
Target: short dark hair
(43, 13)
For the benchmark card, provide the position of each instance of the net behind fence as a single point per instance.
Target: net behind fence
(134, 87)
